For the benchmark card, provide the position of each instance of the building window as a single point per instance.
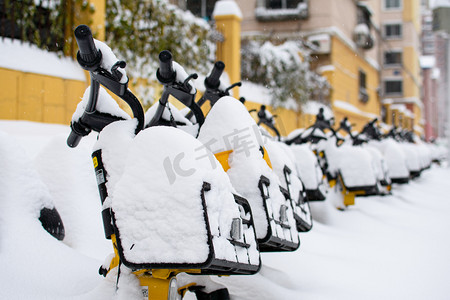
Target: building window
(392, 58)
(393, 87)
(392, 31)
(362, 95)
(392, 4)
(280, 4)
(202, 8)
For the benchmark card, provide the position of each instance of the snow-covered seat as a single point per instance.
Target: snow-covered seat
(231, 133)
(171, 208)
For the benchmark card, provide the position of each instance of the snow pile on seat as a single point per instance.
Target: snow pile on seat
(413, 162)
(378, 162)
(424, 153)
(154, 184)
(229, 126)
(281, 156)
(307, 166)
(173, 113)
(353, 163)
(394, 156)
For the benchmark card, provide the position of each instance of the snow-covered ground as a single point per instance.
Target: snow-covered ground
(393, 247)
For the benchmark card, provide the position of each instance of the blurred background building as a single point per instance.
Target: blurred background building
(382, 58)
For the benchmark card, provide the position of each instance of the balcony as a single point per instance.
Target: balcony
(362, 36)
(265, 14)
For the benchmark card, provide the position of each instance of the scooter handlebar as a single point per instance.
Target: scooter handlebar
(88, 55)
(213, 80)
(73, 140)
(165, 72)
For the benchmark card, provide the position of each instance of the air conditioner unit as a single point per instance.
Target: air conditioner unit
(322, 43)
(363, 95)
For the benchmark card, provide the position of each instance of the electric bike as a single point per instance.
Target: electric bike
(348, 169)
(166, 211)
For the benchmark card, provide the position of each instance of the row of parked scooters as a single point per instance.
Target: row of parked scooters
(187, 197)
(354, 163)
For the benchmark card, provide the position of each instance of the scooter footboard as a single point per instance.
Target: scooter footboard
(296, 195)
(282, 234)
(243, 238)
(301, 210)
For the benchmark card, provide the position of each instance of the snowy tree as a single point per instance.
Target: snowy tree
(138, 30)
(43, 23)
(284, 69)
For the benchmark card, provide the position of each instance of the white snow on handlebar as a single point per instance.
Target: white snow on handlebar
(182, 75)
(109, 59)
(105, 104)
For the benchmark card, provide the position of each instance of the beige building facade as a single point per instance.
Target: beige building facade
(401, 83)
(345, 40)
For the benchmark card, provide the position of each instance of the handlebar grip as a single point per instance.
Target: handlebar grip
(213, 80)
(73, 140)
(88, 52)
(165, 72)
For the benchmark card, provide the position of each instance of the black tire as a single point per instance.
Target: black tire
(51, 221)
(221, 294)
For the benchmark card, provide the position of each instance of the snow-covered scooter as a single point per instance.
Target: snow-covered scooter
(393, 153)
(283, 160)
(15, 163)
(233, 136)
(166, 212)
(360, 139)
(348, 169)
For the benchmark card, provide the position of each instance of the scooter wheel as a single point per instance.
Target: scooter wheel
(221, 294)
(51, 221)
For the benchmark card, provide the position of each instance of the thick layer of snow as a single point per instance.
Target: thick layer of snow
(227, 7)
(353, 163)
(394, 156)
(281, 157)
(26, 57)
(109, 59)
(229, 126)
(105, 104)
(313, 107)
(349, 107)
(307, 166)
(392, 247)
(427, 61)
(169, 226)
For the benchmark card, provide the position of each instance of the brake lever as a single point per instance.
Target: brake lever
(114, 69)
(186, 84)
(232, 86)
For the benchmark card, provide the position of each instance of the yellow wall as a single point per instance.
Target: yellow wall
(286, 120)
(98, 18)
(417, 117)
(411, 63)
(49, 99)
(411, 13)
(345, 83)
(229, 51)
(41, 98)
